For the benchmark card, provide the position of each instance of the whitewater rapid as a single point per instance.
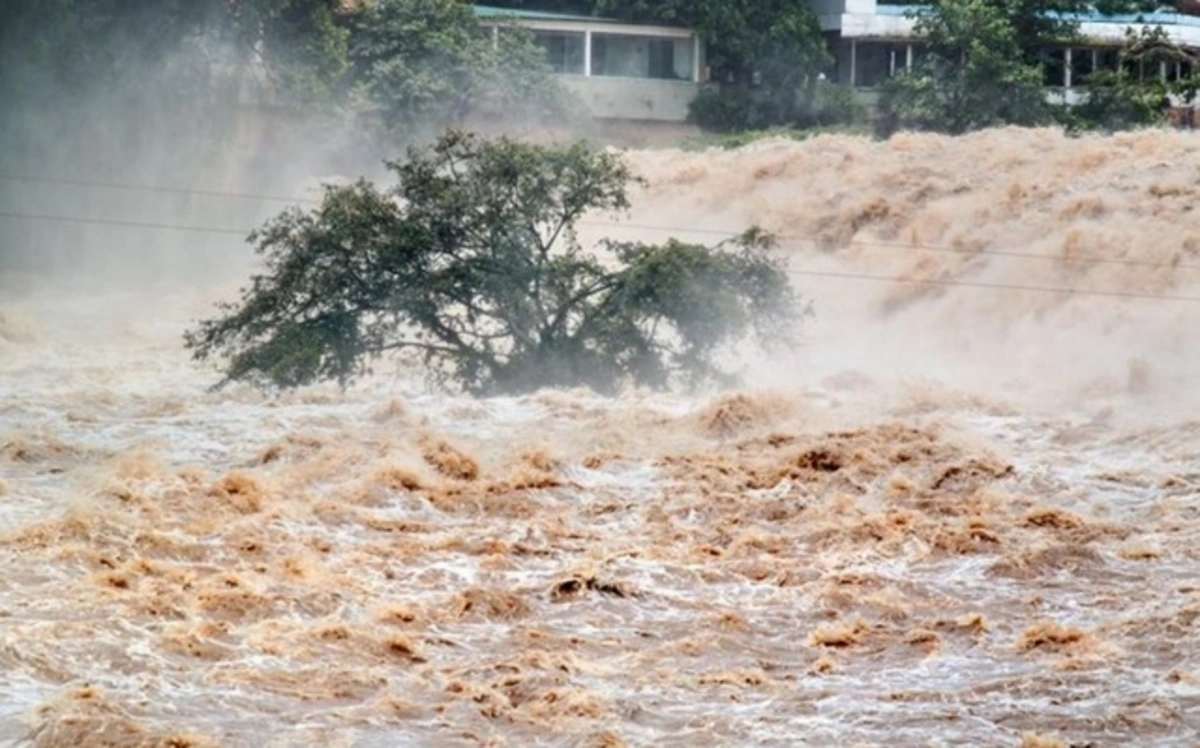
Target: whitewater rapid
(958, 515)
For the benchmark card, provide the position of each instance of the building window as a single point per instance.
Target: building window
(1108, 60)
(662, 58)
(873, 65)
(626, 56)
(1083, 64)
(842, 63)
(1054, 66)
(1132, 67)
(874, 62)
(920, 55)
(564, 50)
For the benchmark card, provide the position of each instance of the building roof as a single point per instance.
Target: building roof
(1163, 17)
(490, 11)
(520, 14)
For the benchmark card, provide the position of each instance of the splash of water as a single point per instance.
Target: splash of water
(906, 533)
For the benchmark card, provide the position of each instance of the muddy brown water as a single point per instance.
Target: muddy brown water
(957, 516)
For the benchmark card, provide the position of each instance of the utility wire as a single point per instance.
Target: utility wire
(638, 226)
(149, 188)
(812, 238)
(998, 286)
(1082, 260)
(808, 273)
(815, 240)
(127, 224)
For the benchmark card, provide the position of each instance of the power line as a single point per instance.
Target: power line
(811, 238)
(1084, 259)
(815, 240)
(998, 286)
(808, 273)
(125, 224)
(149, 188)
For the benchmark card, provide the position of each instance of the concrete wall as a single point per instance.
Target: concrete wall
(633, 98)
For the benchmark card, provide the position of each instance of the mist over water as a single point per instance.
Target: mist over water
(957, 209)
(958, 515)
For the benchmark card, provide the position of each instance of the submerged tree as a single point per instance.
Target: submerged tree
(472, 263)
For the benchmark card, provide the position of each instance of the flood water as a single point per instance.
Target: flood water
(960, 514)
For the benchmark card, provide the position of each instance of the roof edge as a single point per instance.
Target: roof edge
(491, 11)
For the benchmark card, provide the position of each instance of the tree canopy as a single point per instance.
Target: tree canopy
(90, 84)
(57, 47)
(429, 63)
(972, 75)
(472, 263)
(767, 56)
(1128, 97)
(1038, 22)
(94, 81)
(980, 67)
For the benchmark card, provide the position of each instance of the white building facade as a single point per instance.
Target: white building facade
(621, 71)
(872, 40)
(640, 72)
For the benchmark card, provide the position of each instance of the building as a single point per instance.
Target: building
(620, 70)
(638, 72)
(872, 40)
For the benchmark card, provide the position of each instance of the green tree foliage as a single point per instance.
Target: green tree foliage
(147, 92)
(972, 76)
(765, 54)
(57, 47)
(418, 64)
(983, 68)
(1040, 22)
(1135, 94)
(472, 263)
(106, 77)
(306, 46)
